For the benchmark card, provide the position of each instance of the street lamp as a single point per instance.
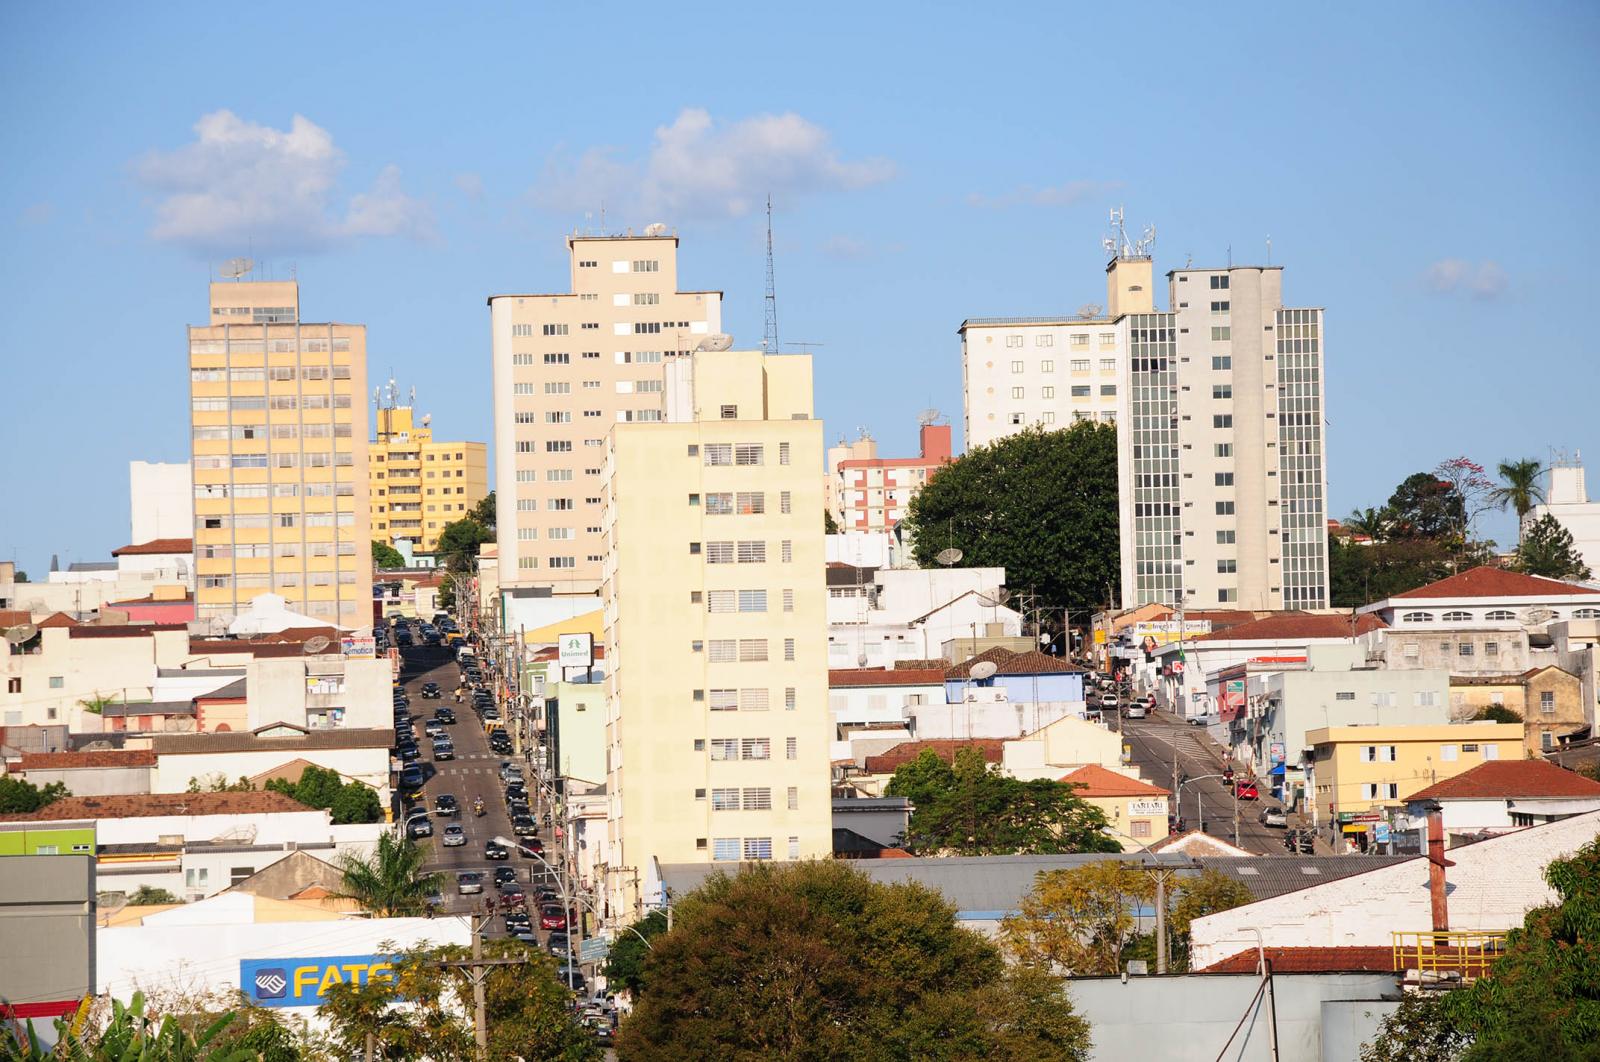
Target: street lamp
(566, 894)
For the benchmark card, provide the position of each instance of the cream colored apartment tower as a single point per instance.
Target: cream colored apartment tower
(279, 429)
(1049, 372)
(716, 625)
(419, 484)
(567, 367)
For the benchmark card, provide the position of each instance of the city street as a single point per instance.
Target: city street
(1206, 803)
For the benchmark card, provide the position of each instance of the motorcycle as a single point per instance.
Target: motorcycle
(477, 808)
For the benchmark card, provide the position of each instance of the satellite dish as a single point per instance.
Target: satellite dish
(21, 634)
(316, 644)
(861, 660)
(655, 229)
(720, 341)
(949, 557)
(109, 903)
(984, 669)
(1089, 309)
(1538, 615)
(234, 268)
(927, 417)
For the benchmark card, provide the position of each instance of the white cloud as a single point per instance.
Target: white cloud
(240, 181)
(1065, 194)
(469, 185)
(697, 167)
(1481, 280)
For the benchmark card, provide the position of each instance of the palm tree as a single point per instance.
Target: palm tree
(1519, 488)
(1370, 522)
(390, 882)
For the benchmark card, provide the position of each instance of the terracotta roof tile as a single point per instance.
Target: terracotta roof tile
(906, 751)
(1292, 626)
(124, 630)
(57, 761)
(1310, 960)
(156, 545)
(845, 678)
(147, 805)
(57, 619)
(1497, 582)
(1006, 662)
(1494, 779)
(15, 617)
(1097, 781)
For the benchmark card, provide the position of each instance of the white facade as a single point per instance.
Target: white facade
(369, 765)
(161, 501)
(1492, 886)
(909, 613)
(1470, 817)
(864, 549)
(1567, 499)
(1061, 748)
(1021, 372)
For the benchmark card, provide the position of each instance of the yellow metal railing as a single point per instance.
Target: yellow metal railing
(1452, 955)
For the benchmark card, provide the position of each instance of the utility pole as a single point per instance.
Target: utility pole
(477, 970)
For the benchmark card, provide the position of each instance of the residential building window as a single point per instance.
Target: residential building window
(752, 650)
(1491, 648)
(1426, 699)
(1044, 340)
(1504, 614)
(1222, 333)
(783, 453)
(1222, 420)
(1219, 307)
(1227, 567)
(730, 412)
(1449, 753)
(719, 553)
(718, 453)
(788, 552)
(1047, 366)
(1228, 594)
(1016, 366)
(1223, 362)
(1141, 828)
(1079, 365)
(753, 551)
(57, 681)
(788, 648)
(788, 600)
(1080, 391)
(1377, 753)
(1108, 390)
(1418, 617)
(1224, 479)
(1464, 649)
(1219, 281)
(785, 502)
(757, 798)
(1108, 364)
(1222, 449)
(1224, 508)
(1018, 392)
(1222, 390)
(1013, 341)
(1225, 538)
(758, 848)
(725, 848)
(1380, 790)
(1546, 741)
(1547, 701)
(755, 748)
(748, 454)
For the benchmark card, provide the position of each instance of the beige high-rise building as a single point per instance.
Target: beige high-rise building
(420, 485)
(279, 428)
(567, 367)
(716, 626)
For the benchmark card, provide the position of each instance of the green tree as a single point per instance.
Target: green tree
(625, 961)
(20, 797)
(1041, 504)
(147, 895)
(484, 511)
(97, 704)
(21, 576)
(1519, 488)
(390, 882)
(1204, 894)
(1374, 523)
(1546, 548)
(830, 526)
(1425, 506)
(386, 556)
(980, 810)
(813, 960)
(130, 1034)
(1079, 921)
(1497, 713)
(1420, 1030)
(356, 803)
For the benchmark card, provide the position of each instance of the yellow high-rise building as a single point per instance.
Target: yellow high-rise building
(716, 626)
(279, 429)
(419, 485)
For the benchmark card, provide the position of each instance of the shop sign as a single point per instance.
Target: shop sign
(1276, 752)
(575, 650)
(1360, 816)
(1146, 808)
(305, 982)
(359, 648)
(1233, 699)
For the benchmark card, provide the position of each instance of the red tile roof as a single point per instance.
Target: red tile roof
(151, 599)
(1494, 779)
(906, 751)
(844, 678)
(1006, 662)
(1497, 582)
(156, 545)
(57, 619)
(147, 805)
(14, 617)
(124, 630)
(60, 761)
(1097, 781)
(1292, 626)
(1310, 960)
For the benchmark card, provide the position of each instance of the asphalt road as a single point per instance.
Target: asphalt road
(1205, 802)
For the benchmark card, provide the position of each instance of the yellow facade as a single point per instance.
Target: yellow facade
(420, 485)
(716, 627)
(279, 429)
(1369, 768)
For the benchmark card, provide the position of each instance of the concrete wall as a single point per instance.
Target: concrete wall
(49, 928)
(1181, 1018)
(990, 719)
(1061, 747)
(369, 765)
(96, 781)
(161, 501)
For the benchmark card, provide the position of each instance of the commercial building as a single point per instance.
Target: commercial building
(418, 484)
(567, 367)
(1135, 811)
(1566, 498)
(716, 627)
(870, 493)
(279, 426)
(1219, 403)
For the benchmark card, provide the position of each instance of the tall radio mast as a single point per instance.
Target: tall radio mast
(769, 340)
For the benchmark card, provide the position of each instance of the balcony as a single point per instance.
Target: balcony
(1447, 959)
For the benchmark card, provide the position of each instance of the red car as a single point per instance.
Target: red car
(1246, 790)
(552, 918)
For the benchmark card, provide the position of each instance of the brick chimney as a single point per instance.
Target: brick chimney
(1437, 892)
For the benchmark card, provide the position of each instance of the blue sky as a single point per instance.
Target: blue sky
(1425, 172)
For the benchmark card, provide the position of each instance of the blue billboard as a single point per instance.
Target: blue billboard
(303, 982)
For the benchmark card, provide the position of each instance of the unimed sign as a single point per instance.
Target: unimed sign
(304, 982)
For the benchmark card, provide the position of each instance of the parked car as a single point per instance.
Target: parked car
(469, 882)
(524, 826)
(1203, 720)
(411, 777)
(516, 791)
(446, 804)
(510, 772)
(495, 850)
(532, 846)
(572, 978)
(511, 895)
(1274, 817)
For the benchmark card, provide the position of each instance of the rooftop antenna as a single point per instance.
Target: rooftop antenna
(769, 339)
(1230, 256)
(234, 268)
(927, 417)
(1269, 249)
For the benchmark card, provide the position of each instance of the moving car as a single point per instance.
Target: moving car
(1274, 817)
(552, 916)
(443, 749)
(495, 850)
(469, 882)
(533, 846)
(454, 835)
(430, 691)
(446, 804)
(433, 728)
(420, 826)
(1136, 710)
(504, 874)
(445, 716)
(511, 894)
(1245, 789)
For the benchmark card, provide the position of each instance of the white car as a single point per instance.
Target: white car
(1136, 710)
(454, 836)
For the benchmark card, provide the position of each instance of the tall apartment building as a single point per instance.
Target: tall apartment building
(871, 493)
(420, 485)
(279, 424)
(1218, 403)
(1221, 468)
(567, 367)
(716, 625)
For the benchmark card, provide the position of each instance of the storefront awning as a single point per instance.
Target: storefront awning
(1277, 769)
